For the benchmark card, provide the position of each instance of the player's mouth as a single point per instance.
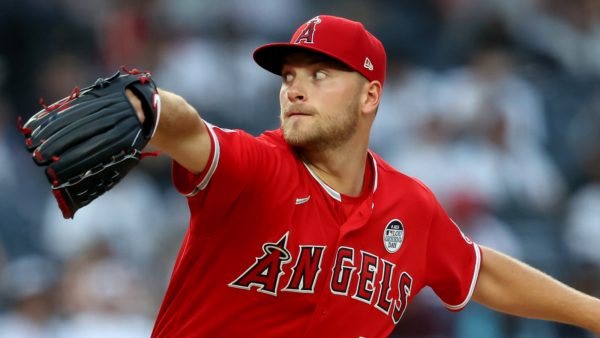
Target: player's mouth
(298, 111)
(296, 114)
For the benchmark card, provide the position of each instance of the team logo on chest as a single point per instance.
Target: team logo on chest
(393, 236)
(267, 269)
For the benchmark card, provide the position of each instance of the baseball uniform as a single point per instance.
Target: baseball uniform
(273, 251)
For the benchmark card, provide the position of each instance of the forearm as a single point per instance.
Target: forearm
(178, 120)
(180, 133)
(510, 286)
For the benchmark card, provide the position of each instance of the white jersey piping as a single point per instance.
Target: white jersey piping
(213, 165)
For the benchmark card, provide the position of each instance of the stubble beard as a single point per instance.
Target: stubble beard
(330, 132)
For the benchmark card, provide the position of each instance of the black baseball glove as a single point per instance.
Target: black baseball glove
(91, 139)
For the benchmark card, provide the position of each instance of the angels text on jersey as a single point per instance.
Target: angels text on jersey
(265, 275)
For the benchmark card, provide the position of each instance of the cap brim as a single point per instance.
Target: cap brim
(271, 56)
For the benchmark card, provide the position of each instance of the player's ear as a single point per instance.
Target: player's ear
(371, 97)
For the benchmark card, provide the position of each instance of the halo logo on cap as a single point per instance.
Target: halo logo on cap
(308, 34)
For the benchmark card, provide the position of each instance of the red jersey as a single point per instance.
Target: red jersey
(272, 251)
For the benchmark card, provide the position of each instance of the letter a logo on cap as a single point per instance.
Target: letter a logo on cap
(308, 33)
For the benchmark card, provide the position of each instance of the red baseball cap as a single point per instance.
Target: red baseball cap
(344, 40)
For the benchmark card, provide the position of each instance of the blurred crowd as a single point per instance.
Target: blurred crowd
(494, 104)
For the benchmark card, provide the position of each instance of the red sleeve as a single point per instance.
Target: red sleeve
(453, 261)
(237, 161)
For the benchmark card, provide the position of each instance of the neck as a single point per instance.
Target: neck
(342, 168)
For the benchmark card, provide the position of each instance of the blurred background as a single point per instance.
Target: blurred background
(495, 104)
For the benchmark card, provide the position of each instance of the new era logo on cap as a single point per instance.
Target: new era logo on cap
(344, 40)
(368, 64)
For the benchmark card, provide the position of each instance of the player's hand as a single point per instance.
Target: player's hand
(137, 105)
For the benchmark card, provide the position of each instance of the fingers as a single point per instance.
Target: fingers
(137, 105)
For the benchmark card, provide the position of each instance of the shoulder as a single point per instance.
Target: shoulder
(274, 138)
(392, 182)
(270, 140)
(276, 144)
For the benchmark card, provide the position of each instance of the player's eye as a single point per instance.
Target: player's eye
(287, 77)
(320, 75)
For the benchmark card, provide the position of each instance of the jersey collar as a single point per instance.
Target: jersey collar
(335, 194)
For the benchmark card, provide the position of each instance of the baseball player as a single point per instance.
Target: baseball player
(303, 231)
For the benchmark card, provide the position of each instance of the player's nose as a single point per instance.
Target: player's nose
(296, 92)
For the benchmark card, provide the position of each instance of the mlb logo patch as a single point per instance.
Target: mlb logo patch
(393, 236)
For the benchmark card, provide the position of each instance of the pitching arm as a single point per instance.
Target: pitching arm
(510, 286)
